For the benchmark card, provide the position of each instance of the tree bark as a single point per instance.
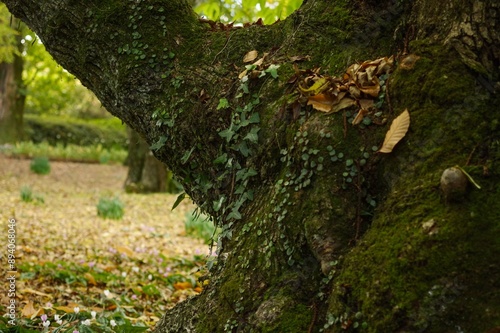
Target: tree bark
(12, 96)
(303, 248)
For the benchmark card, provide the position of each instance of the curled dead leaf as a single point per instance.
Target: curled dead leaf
(396, 132)
(321, 102)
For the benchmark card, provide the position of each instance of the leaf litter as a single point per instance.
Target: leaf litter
(67, 256)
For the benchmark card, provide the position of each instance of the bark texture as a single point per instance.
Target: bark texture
(303, 248)
(12, 96)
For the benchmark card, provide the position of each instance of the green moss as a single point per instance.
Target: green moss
(424, 264)
(295, 318)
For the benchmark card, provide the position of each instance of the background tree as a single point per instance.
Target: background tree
(12, 92)
(285, 182)
(145, 172)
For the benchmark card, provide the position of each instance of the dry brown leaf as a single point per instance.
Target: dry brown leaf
(250, 56)
(396, 132)
(366, 103)
(372, 90)
(261, 60)
(321, 102)
(36, 292)
(354, 91)
(344, 103)
(359, 117)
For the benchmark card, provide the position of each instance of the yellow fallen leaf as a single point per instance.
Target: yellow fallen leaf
(125, 250)
(36, 292)
(67, 309)
(90, 279)
(319, 86)
(250, 56)
(28, 310)
(396, 132)
(182, 285)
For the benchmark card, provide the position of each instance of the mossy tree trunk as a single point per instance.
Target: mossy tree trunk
(12, 95)
(304, 249)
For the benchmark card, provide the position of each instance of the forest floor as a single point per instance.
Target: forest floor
(130, 270)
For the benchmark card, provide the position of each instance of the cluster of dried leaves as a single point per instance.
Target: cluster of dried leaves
(68, 256)
(358, 88)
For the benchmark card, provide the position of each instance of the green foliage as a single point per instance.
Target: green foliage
(26, 194)
(247, 10)
(7, 36)
(110, 208)
(53, 90)
(70, 152)
(40, 165)
(200, 226)
(110, 132)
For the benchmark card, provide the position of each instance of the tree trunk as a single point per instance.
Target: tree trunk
(318, 230)
(145, 173)
(12, 96)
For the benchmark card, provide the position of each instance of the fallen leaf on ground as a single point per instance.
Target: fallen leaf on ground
(182, 285)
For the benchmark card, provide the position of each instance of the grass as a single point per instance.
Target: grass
(27, 195)
(40, 165)
(126, 272)
(200, 226)
(70, 152)
(110, 208)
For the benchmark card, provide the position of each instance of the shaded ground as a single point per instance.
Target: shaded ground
(147, 246)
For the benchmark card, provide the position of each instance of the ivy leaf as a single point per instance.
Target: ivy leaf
(396, 132)
(186, 155)
(234, 214)
(254, 118)
(253, 136)
(221, 159)
(242, 147)
(273, 70)
(179, 200)
(227, 134)
(223, 104)
(158, 144)
(218, 204)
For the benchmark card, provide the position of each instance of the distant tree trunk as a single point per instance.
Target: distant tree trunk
(12, 96)
(145, 173)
